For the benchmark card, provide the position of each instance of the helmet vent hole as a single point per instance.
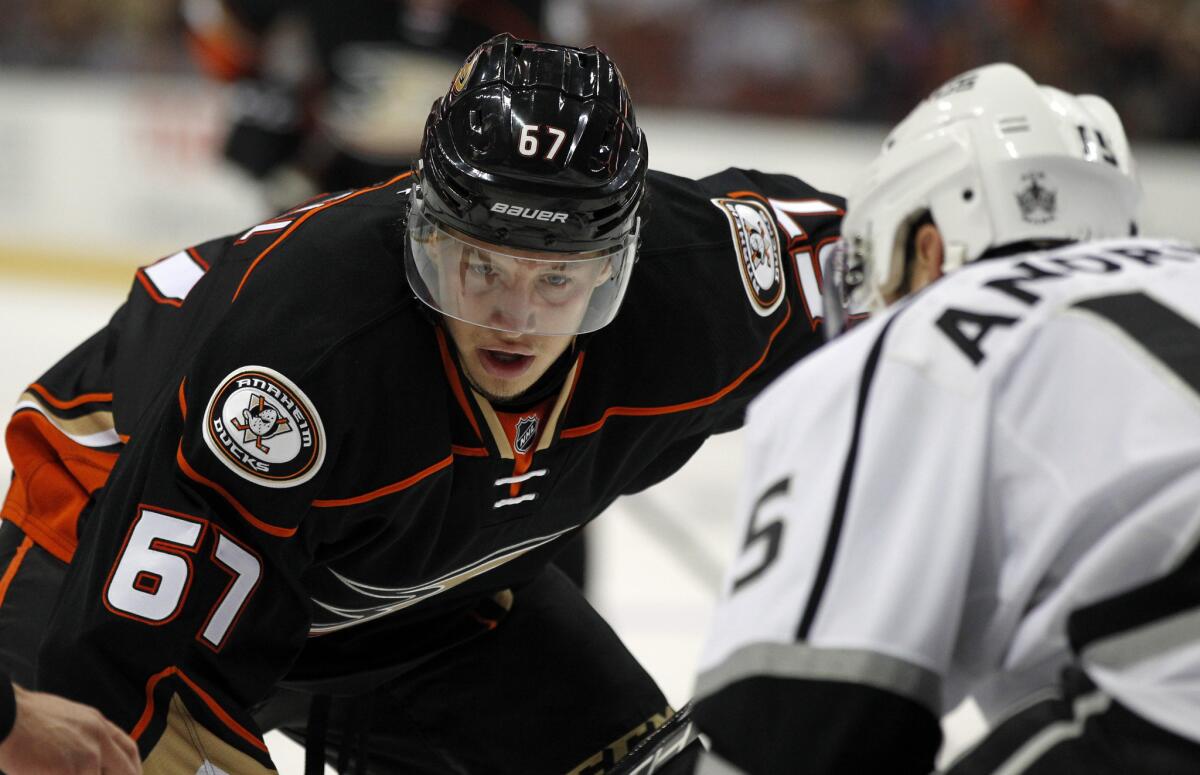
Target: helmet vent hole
(603, 159)
(968, 194)
(1009, 125)
(482, 137)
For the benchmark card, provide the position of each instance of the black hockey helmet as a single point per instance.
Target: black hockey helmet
(534, 148)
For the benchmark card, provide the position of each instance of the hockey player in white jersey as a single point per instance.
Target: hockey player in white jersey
(990, 489)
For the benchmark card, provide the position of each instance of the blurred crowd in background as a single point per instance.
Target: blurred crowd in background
(829, 59)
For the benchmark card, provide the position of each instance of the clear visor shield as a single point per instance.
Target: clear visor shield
(844, 289)
(512, 289)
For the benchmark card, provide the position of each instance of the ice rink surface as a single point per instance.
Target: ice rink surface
(656, 557)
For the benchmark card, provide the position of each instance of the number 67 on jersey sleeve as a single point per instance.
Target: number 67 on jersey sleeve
(153, 573)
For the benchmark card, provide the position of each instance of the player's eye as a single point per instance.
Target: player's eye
(478, 265)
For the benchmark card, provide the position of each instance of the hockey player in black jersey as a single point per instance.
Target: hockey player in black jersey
(352, 115)
(989, 490)
(310, 476)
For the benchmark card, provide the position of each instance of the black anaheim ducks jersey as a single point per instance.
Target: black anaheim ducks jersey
(276, 454)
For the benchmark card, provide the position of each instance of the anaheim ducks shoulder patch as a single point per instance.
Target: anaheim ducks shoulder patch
(264, 429)
(756, 242)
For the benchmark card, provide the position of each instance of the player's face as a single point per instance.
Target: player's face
(511, 291)
(517, 290)
(503, 365)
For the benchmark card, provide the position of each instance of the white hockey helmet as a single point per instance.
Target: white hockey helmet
(994, 159)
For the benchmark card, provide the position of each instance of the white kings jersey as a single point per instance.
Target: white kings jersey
(983, 485)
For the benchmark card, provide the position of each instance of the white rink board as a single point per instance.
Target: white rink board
(108, 169)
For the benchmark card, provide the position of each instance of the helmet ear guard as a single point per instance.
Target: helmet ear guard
(996, 160)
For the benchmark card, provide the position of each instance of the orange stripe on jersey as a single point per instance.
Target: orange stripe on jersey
(182, 399)
(13, 566)
(53, 478)
(154, 294)
(748, 194)
(71, 403)
(646, 411)
(266, 527)
(468, 451)
(148, 713)
(455, 382)
(575, 372)
(196, 257)
(296, 224)
(403, 484)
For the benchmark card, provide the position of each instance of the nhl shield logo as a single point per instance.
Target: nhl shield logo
(526, 432)
(756, 241)
(264, 429)
(1038, 203)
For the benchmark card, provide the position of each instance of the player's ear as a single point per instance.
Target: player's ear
(930, 253)
(605, 273)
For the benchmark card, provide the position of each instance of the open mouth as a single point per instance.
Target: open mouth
(505, 365)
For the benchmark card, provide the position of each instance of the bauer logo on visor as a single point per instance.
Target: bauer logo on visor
(529, 212)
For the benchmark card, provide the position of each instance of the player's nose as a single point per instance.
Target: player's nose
(512, 309)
